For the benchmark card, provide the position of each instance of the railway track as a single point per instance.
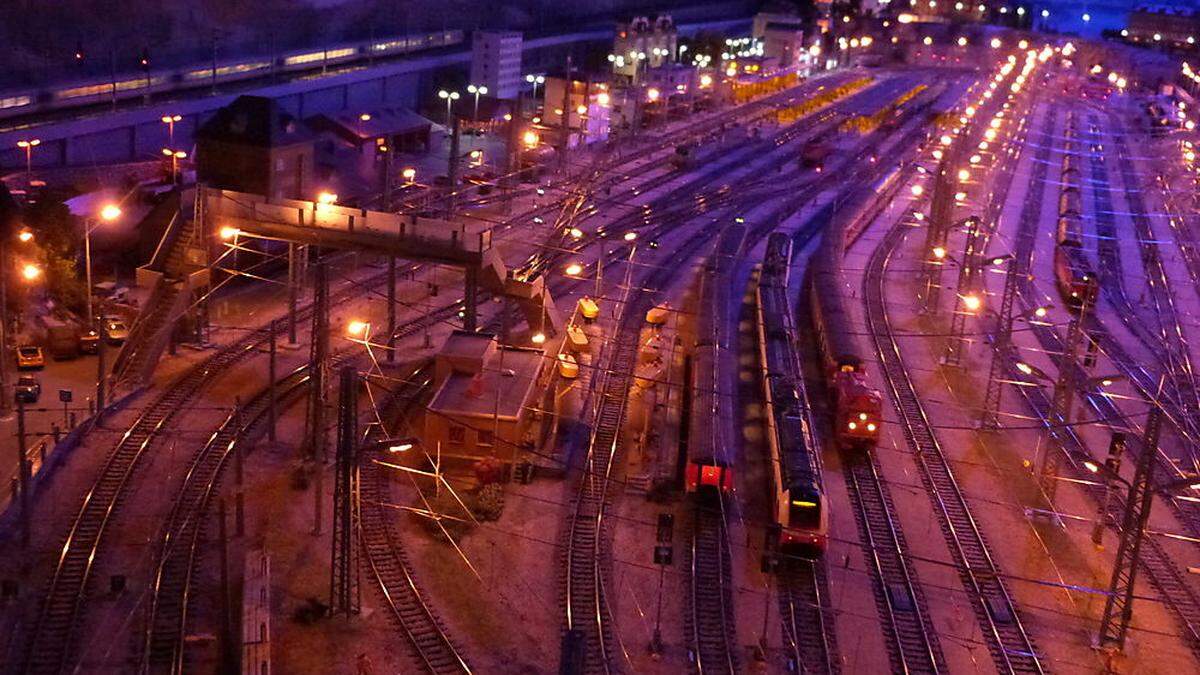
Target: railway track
(1174, 591)
(710, 622)
(807, 618)
(182, 538)
(384, 553)
(1011, 647)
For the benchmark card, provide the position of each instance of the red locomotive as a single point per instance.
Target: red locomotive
(857, 406)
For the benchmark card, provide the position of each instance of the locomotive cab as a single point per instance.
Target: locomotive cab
(859, 409)
(708, 477)
(807, 520)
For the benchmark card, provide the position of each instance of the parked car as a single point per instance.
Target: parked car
(30, 357)
(89, 341)
(117, 330)
(29, 390)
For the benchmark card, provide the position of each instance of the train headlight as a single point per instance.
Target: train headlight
(852, 426)
(862, 416)
(871, 427)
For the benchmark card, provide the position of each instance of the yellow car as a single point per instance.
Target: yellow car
(29, 357)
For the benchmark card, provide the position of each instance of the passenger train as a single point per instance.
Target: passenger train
(1073, 275)
(798, 504)
(135, 85)
(709, 468)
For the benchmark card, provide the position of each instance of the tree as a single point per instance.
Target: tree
(57, 247)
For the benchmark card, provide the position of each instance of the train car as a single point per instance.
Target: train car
(1074, 278)
(133, 85)
(798, 503)
(683, 157)
(1070, 231)
(709, 469)
(1070, 203)
(814, 155)
(858, 407)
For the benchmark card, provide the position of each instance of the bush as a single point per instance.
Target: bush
(489, 502)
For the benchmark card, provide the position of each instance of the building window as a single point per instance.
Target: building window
(486, 437)
(458, 435)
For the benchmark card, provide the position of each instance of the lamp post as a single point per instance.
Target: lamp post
(108, 214)
(449, 97)
(170, 121)
(28, 146)
(472, 89)
(175, 156)
(535, 80)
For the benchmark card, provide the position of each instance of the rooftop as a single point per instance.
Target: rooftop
(254, 120)
(502, 388)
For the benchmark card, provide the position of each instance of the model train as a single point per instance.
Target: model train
(709, 468)
(857, 405)
(136, 85)
(798, 504)
(1073, 274)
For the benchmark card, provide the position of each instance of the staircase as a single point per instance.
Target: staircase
(171, 291)
(533, 296)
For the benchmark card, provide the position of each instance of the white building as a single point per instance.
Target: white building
(496, 62)
(643, 43)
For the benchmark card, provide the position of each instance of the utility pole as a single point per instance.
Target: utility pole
(391, 310)
(966, 291)
(24, 471)
(1118, 608)
(1116, 448)
(511, 178)
(345, 591)
(566, 116)
(1060, 409)
(272, 376)
(293, 293)
(318, 363)
(8, 212)
(452, 169)
(941, 210)
(1001, 350)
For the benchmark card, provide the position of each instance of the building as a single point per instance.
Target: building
(486, 402)
(783, 41)
(253, 145)
(1164, 25)
(398, 129)
(496, 62)
(588, 107)
(643, 43)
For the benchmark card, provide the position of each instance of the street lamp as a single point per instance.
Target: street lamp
(108, 214)
(535, 80)
(30, 272)
(28, 147)
(410, 175)
(472, 89)
(170, 121)
(449, 97)
(175, 156)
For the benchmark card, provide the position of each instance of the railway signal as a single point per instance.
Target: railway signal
(664, 555)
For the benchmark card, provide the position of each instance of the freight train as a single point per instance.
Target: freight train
(709, 468)
(798, 504)
(151, 82)
(1073, 274)
(857, 405)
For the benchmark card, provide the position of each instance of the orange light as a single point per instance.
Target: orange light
(110, 212)
(229, 232)
(357, 327)
(326, 198)
(26, 236)
(30, 271)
